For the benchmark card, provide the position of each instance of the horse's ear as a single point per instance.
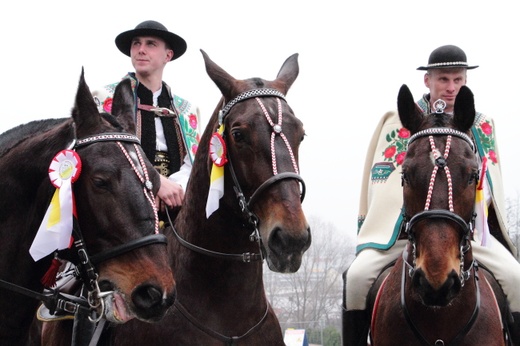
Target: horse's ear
(411, 117)
(224, 81)
(288, 73)
(84, 113)
(464, 109)
(123, 105)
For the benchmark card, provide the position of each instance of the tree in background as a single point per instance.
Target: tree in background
(311, 298)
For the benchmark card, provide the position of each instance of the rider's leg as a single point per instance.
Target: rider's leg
(357, 280)
(514, 328)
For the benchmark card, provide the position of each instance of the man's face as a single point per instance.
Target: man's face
(445, 84)
(149, 54)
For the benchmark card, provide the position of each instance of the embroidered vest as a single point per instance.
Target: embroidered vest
(184, 127)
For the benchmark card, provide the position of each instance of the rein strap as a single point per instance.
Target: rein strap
(245, 257)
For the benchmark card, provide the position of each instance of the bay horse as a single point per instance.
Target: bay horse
(217, 260)
(120, 257)
(436, 293)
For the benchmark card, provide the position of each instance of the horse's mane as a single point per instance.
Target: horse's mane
(12, 137)
(18, 134)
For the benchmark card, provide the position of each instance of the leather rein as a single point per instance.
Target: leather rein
(85, 269)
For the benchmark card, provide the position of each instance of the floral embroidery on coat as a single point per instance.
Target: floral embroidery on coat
(189, 124)
(396, 149)
(482, 131)
(487, 140)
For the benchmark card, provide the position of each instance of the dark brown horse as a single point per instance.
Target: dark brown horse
(436, 294)
(123, 263)
(217, 260)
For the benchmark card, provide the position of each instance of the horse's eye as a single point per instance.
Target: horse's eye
(101, 183)
(237, 135)
(474, 178)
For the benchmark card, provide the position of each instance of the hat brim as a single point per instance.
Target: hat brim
(175, 42)
(426, 68)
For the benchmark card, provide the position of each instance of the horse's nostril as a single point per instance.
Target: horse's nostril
(150, 302)
(147, 296)
(277, 239)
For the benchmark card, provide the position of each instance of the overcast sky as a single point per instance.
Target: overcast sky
(353, 55)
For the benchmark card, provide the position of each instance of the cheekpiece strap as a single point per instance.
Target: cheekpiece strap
(443, 131)
(107, 137)
(247, 95)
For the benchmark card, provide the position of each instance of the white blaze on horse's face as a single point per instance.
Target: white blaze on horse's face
(434, 154)
(135, 159)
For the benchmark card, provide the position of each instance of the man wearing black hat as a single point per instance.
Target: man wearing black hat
(381, 201)
(166, 123)
(445, 74)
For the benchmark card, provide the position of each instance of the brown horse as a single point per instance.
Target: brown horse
(217, 260)
(436, 294)
(120, 258)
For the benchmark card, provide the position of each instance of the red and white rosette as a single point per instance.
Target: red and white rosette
(56, 227)
(65, 167)
(218, 150)
(218, 153)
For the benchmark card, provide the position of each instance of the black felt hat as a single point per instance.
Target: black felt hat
(151, 28)
(448, 56)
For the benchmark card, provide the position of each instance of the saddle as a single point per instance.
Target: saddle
(68, 283)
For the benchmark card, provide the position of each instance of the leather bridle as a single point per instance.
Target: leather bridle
(85, 264)
(427, 213)
(465, 226)
(245, 206)
(244, 203)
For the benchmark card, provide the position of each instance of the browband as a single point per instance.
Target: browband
(247, 95)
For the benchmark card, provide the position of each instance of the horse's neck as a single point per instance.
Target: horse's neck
(26, 192)
(223, 233)
(24, 169)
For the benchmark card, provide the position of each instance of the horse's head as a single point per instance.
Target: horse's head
(262, 136)
(115, 206)
(439, 176)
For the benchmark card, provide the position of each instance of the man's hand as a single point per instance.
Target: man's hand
(170, 194)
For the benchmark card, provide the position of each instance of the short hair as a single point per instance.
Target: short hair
(449, 70)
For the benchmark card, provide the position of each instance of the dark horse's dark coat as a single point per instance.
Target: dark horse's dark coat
(106, 216)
